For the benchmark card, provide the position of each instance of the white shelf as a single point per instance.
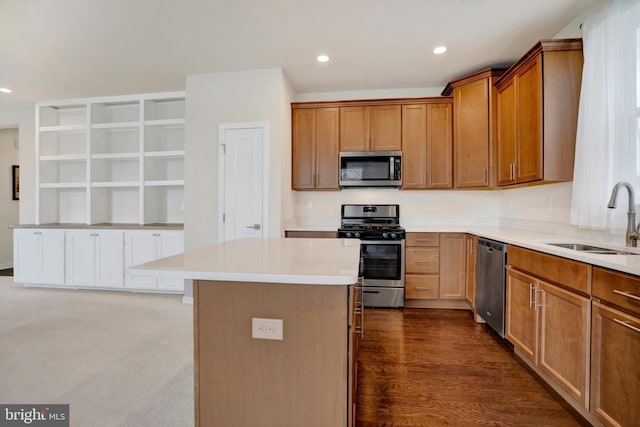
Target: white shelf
(113, 184)
(116, 126)
(113, 159)
(63, 157)
(170, 153)
(115, 156)
(63, 185)
(165, 183)
(165, 123)
(63, 128)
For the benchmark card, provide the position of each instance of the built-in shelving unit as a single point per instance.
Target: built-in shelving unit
(111, 159)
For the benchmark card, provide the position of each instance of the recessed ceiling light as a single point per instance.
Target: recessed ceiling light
(5, 90)
(322, 58)
(440, 50)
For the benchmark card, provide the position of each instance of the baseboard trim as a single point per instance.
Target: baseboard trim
(6, 265)
(187, 300)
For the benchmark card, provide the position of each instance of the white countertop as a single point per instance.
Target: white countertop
(533, 240)
(538, 242)
(295, 261)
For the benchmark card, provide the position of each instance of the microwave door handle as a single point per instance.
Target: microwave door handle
(391, 167)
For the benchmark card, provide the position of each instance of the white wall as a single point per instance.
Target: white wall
(25, 121)
(288, 95)
(9, 210)
(432, 207)
(233, 97)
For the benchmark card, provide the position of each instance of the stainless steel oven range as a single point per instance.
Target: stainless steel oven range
(382, 251)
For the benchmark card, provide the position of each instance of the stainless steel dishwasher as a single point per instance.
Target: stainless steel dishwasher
(491, 287)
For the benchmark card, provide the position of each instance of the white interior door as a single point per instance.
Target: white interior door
(242, 187)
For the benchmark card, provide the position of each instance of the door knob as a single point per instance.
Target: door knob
(254, 226)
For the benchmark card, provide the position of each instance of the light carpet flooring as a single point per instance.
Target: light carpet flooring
(118, 358)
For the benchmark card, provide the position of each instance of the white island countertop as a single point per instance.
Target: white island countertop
(272, 260)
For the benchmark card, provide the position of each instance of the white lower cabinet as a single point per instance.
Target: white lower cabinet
(148, 245)
(38, 256)
(94, 258)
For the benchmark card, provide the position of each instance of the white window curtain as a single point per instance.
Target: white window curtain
(608, 137)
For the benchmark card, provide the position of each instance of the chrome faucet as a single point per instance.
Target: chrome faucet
(632, 231)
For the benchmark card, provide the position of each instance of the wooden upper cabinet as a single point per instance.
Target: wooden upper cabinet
(474, 117)
(303, 149)
(327, 148)
(370, 128)
(427, 146)
(386, 125)
(315, 149)
(354, 129)
(506, 153)
(414, 146)
(439, 146)
(538, 102)
(529, 122)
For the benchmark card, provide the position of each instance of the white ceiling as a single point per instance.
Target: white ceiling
(52, 49)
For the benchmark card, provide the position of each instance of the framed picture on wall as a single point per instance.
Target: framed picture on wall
(15, 169)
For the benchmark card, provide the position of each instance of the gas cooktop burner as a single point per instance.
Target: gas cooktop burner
(371, 226)
(371, 222)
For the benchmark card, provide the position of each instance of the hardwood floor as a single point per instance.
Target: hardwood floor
(439, 368)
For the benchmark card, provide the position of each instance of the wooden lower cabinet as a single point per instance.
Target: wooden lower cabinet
(520, 313)
(301, 380)
(422, 286)
(470, 275)
(550, 326)
(452, 266)
(435, 266)
(564, 339)
(615, 348)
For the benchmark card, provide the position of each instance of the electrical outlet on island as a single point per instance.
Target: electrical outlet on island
(266, 329)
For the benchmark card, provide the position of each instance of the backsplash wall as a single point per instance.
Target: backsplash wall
(416, 207)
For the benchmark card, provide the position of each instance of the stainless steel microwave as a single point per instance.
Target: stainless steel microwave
(371, 169)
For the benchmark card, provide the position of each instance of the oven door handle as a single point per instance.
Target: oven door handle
(381, 242)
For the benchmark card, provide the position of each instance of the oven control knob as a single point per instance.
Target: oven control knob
(348, 234)
(357, 234)
(394, 235)
(384, 235)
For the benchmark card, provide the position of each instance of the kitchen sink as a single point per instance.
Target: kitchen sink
(591, 249)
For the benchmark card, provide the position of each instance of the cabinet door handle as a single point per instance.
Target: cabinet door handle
(423, 240)
(423, 288)
(626, 294)
(627, 324)
(537, 304)
(484, 176)
(531, 295)
(423, 262)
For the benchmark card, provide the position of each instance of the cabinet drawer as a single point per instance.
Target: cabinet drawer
(423, 260)
(617, 288)
(564, 272)
(421, 286)
(423, 239)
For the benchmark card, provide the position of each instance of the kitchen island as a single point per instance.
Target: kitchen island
(274, 330)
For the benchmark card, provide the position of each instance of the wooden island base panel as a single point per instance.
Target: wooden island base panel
(276, 325)
(299, 381)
